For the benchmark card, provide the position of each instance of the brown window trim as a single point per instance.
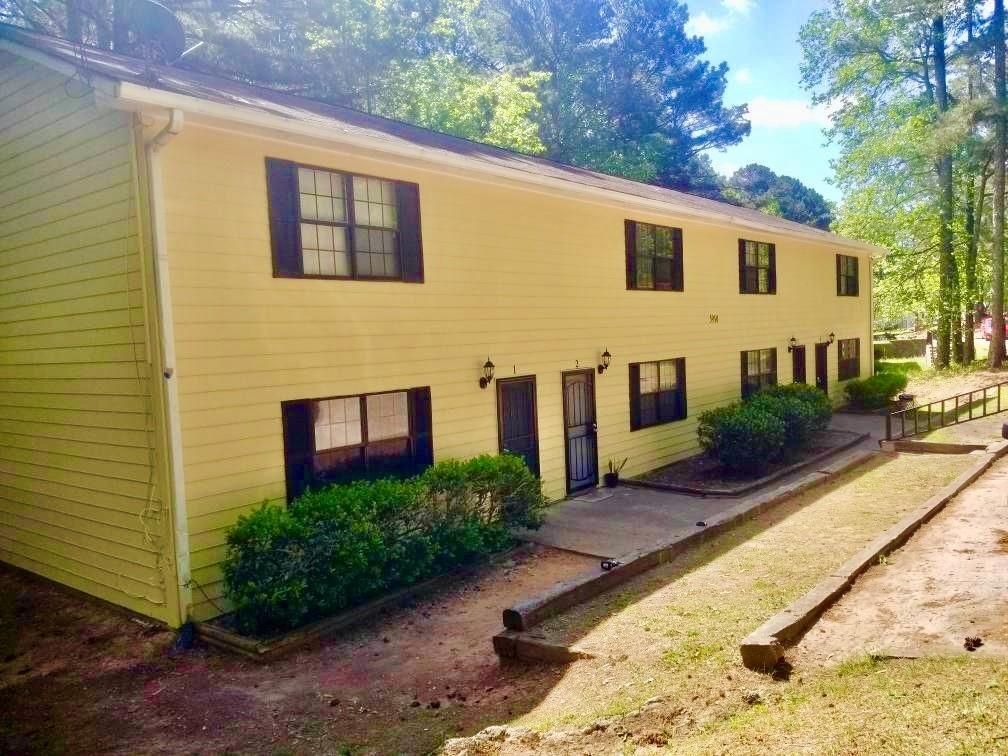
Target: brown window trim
(677, 278)
(850, 367)
(300, 454)
(771, 268)
(747, 388)
(635, 394)
(285, 210)
(845, 279)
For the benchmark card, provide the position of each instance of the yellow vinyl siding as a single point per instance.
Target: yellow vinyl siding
(535, 281)
(79, 485)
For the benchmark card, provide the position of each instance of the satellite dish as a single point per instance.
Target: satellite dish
(155, 33)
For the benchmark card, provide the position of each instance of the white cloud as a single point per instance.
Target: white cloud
(738, 6)
(703, 25)
(743, 76)
(776, 114)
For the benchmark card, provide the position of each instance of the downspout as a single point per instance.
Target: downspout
(155, 194)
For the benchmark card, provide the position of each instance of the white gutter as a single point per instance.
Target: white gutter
(155, 195)
(131, 95)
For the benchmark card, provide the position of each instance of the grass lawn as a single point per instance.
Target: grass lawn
(673, 634)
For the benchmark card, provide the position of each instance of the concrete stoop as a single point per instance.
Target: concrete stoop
(764, 648)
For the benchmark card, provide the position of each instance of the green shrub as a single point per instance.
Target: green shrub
(799, 417)
(822, 408)
(337, 546)
(875, 392)
(709, 426)
(749, 438)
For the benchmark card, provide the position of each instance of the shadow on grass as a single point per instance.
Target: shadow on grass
(598, 610)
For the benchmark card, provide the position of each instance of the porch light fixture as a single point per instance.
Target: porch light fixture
(832, 337)
(606, 359)
(792, 343)
(488, 374)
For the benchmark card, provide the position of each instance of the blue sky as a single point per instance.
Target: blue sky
(758, 39)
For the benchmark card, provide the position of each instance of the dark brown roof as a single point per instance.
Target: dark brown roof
(395, 134)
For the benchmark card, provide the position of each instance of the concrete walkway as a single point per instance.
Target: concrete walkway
(611, 522)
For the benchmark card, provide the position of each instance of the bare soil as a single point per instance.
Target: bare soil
(703, 472)
(79, 676)
(948, 583)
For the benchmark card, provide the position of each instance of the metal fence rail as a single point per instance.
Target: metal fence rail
(923, 418)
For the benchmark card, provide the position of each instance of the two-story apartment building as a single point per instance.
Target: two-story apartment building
(213, 295)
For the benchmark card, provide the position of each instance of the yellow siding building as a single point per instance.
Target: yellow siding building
(321, 290)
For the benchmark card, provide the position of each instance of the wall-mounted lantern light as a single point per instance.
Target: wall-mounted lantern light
(832, 337)
(792, 343)
(606, 359)
(488, 374)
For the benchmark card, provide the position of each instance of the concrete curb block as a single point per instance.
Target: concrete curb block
(763, 649)
(729, 493)
(930, 447)
(531, 612)
(527, 647)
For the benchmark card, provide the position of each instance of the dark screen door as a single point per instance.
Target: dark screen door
(516, 419)
(580, 429)
(821, 381)
(798, 364)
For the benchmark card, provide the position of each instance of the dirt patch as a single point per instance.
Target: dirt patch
(930, 386)
(77, 672)
(949, 583)
(703, 472)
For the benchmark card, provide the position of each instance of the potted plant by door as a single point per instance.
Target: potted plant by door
(611, 478)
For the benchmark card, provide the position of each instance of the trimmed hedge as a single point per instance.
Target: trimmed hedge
(338, 546)
(875, 392)
(773, 424)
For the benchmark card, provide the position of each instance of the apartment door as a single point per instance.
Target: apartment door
(516, 419)
(580, 429)
(798, 364)
(821, 380)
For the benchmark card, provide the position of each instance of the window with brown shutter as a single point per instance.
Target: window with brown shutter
(337, 439)
(654, 256)
(757, 267)
(848, 358)
(846, 276)
(330, 224)
(759, 369)
(657, 392)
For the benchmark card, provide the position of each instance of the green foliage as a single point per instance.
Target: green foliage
(442, 93)
(816, 400)
(799, 417)
(748, 439)
(337, 546)
(612, 85)
(777, 422)
(875, 392)
(758, 187)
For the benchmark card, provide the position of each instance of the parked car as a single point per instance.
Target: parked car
(987, 327)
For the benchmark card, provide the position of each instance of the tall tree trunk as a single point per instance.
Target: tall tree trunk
(948, 277)
(973, 214)
(120, 27)
(997, 346)
(74, 21)
(974, 225)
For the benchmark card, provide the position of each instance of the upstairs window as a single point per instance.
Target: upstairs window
(654, 256)
(759, 369)
(846, 276)
(657, 392)
(757, 267)
(328, 224)
(343, 438)
(848, 358)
